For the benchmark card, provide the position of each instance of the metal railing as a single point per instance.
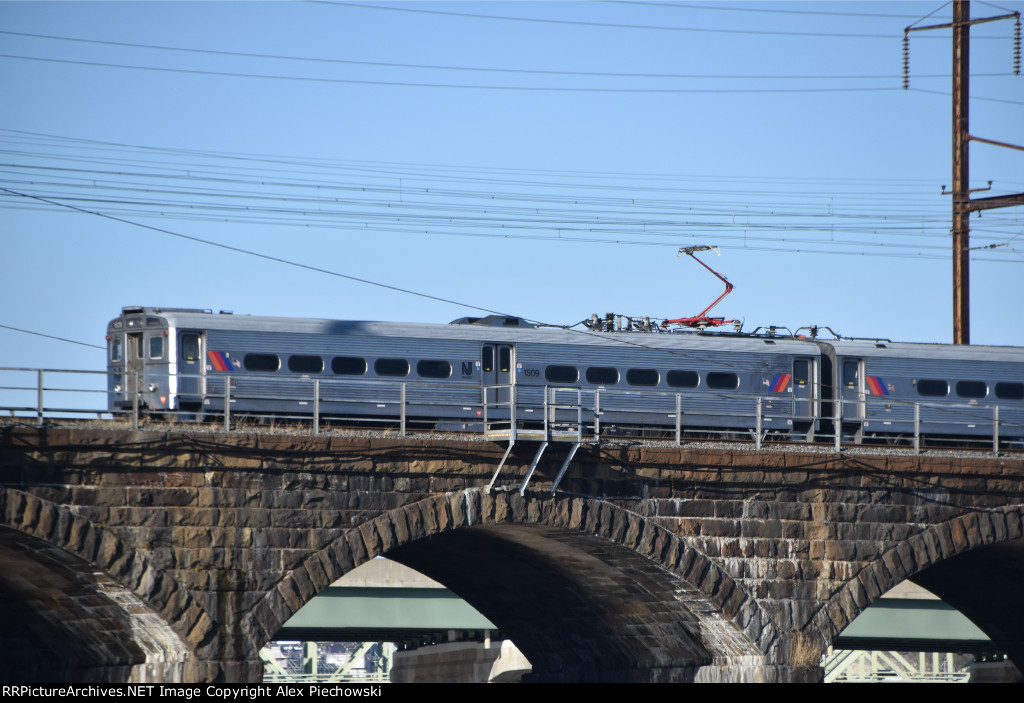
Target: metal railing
(566, 413)
(38, 391)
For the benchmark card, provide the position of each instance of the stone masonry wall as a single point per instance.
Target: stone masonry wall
(206, 528)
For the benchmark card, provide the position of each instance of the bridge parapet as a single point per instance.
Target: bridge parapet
(747, 561)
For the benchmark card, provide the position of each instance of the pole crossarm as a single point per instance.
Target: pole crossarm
(994, 202)
(993, 141)
(982, 20)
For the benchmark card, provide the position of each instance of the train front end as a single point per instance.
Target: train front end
(140, 366)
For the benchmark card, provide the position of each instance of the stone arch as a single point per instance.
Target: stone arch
(81, 561)
(964, 547)
(728, 634)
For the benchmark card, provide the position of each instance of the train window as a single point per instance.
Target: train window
(488, 359)
(262, 362)
(606, 375)
(299, 363)
(971, 389)
(932, 388)
(189, 347)
(156, 347)
(850, 368)
(801, 372)
(433, 369)
(391, 367)
(1010, 391)
(562, 374)
(682, 379)
(348, 365)
(642, 377)
(115, 349)
(722, 381)
(504, 359)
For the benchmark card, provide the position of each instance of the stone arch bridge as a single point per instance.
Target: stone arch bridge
(176, 555)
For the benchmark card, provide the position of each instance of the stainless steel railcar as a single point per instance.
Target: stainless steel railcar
(193, 361)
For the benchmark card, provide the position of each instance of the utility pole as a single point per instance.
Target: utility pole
(961, 185)
(963, 206)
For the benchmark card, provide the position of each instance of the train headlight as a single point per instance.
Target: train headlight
(117, 388)
(152, 387)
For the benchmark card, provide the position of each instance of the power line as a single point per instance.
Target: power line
(436, 67)
(689, 354)
(538, 192)
(973, 97)
(248, 252)
(50, 336)
(565, 235)
(535, 207)
(610, 25)
(393, 167)
(615, 340)
(747, 10)
(564, 217)
(409, 84)
(521, 209)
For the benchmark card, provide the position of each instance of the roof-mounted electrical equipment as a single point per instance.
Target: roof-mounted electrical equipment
(701, 320)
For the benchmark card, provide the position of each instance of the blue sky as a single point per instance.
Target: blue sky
(545, 159)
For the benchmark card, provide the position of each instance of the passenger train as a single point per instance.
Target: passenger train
(462, 374)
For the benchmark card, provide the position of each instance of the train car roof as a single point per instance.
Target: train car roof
(916, 350)
(185, 318)
(205, 320)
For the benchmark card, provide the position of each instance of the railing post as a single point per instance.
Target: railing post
(679, 419)
(483, 401)
(227, 403)
(513, 404)
(757, 424)
(995, 429)
(579, 414)
(135, 402)
(917, 428)
(401, 430)
(316, 406)
(39, 397)
(837, 422)
(547, 434)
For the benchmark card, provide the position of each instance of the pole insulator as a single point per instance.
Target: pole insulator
(1016, 47)
(906, 59)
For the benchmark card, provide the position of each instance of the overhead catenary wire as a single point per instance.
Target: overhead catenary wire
(547, 204)
(795, 246)
(549, 209)
(391, 169)
(429, 200)
(691, 355)
(232, 201)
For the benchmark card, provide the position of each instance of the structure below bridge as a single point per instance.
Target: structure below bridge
(908, 634)
(177, 555)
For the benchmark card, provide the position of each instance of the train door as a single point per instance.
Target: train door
(191, 369)
(496, 370)
(804, 391)
(134, 363)
(852, 393)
